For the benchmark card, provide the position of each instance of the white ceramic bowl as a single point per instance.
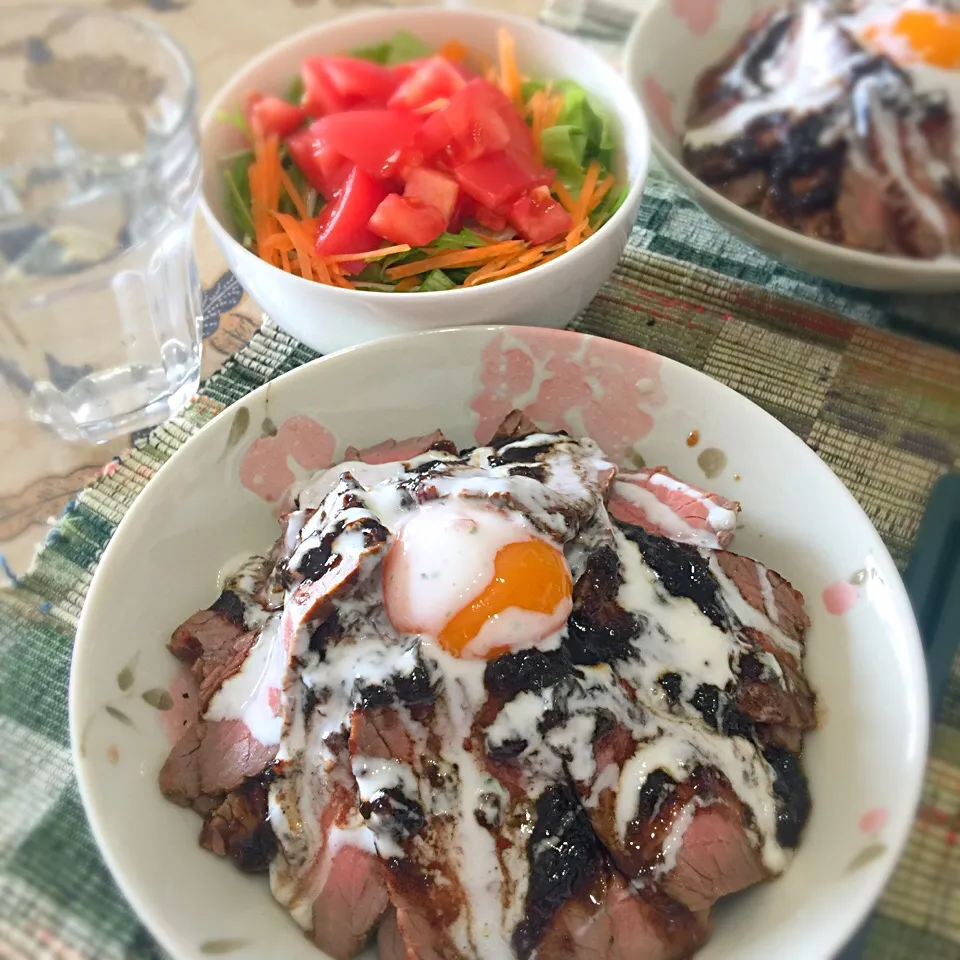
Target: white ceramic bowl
(865, 764)
(328, 318)
(671, 44)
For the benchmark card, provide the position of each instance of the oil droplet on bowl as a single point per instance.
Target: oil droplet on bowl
(693, 438)
(737, 477)
(712, 461)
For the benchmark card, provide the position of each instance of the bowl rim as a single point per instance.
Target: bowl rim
(628, 110)
(912, 774)
(914, 268)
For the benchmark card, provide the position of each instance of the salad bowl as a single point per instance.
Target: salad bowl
(328, 317)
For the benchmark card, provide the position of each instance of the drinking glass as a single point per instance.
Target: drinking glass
(99, 178)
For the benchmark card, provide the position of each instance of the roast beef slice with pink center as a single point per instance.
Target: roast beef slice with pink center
(210, 759)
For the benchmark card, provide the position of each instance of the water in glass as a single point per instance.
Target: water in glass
(99, 177)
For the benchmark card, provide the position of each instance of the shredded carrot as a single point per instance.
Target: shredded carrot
(536, 107)
(339, 280)
(456, 258)
(293, 193)
(285, 261)
(279, 242)
(369, 255)
(454, 50)
(518, 267)
(484, 66)
(264, 178)
(509, 74)
(565, 197)
(485, 237)
(488, 270)
(575, 235)
(552, 110)
(323, 271)
(586, 192)
(603, 188)
(406, 284)
(302, 241)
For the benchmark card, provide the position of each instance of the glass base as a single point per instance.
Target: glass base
(110, 403)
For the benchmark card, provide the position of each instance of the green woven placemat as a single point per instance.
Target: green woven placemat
(883, 412)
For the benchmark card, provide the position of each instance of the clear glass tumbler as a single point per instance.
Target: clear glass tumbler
(99, 178)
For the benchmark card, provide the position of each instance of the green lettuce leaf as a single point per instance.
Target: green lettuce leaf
(563, 149)
(436, 280)
(463, 240)
(235, 118)
(403, 47)
(237, 183)
(294, 92)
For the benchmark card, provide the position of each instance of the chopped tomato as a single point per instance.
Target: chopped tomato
(499, 178)
(320, 96)
(491, 219)
(324, 168)
(538, 217)
(404, 220)
(343, 221)
(358, 80)
(271, 116)
(434, 189)
(465, 208)
(435, 79)
(521, 137)
(373, 139)
(469, 127)
(408, 68)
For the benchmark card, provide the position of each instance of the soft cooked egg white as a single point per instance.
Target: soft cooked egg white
(479, 579)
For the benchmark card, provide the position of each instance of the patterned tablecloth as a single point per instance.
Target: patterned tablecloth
(846, 370)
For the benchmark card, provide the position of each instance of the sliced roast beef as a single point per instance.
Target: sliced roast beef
(515, 426)
(390, 451)
(238, 828)
(209, 760)
(770, 687)
(350, 903)
(418, 855)
(653, 498)
(325, 870)
(214, 643)
(390, 944)
(775, 599)
(615, 921)
(716, 856)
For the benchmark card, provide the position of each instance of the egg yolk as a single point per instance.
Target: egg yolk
(530, 575)
(927, 36)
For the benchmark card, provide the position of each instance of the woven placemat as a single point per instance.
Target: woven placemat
(883, 412)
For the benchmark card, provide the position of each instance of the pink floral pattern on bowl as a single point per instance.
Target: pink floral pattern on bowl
(583, 386)
(660, 104)
(699, 15)
(840, 597)
(265, 467)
